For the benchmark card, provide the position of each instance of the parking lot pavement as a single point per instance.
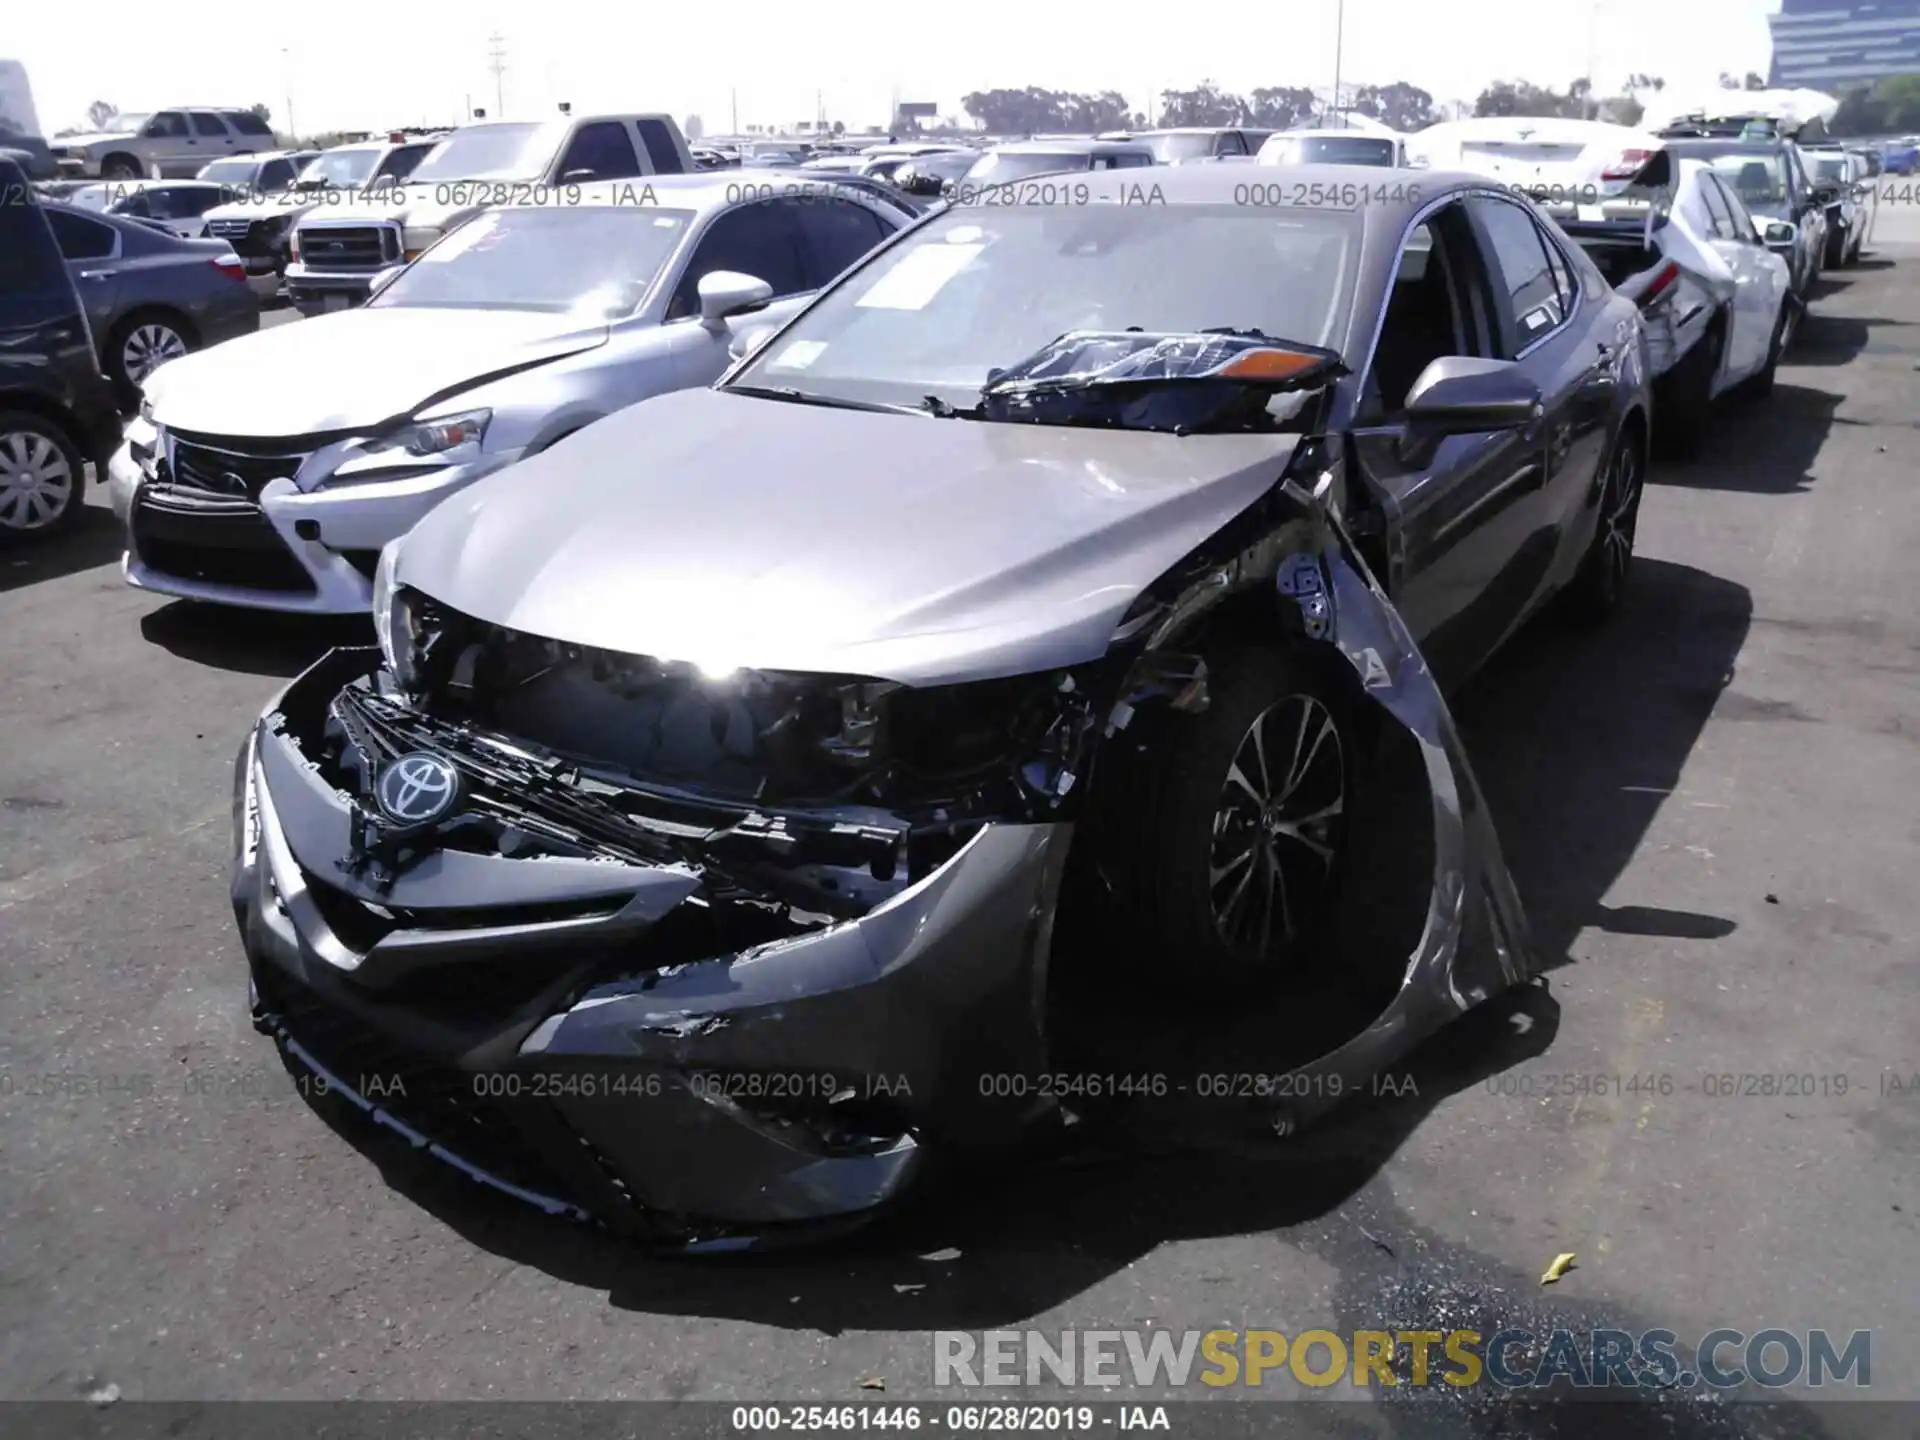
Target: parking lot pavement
(1709, 807)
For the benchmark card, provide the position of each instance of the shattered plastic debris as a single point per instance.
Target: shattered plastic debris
(1562, 1263)
(683, 1026)
(104, 1395)
(873, 1382)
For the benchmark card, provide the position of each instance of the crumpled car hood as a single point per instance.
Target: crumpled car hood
(733, 532)
(353, 370)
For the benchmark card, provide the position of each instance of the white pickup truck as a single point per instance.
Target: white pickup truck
(337, 251)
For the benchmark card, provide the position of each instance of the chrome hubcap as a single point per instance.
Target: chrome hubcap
(1619, 513)
(1278, 826)
(36, 482)
(147, 348)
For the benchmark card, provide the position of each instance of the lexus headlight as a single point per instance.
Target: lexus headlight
(392, 617)
(449, 432)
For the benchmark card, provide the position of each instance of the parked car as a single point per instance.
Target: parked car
(268, 173)
(57, 411)
(1028, 159)
(270, 472)
(260, 227)
(21, 139)
(1578, 161)
(1843, 175)
(839, 716)
(336, 251)
(882, 162)
(1333, 147)
(175, 207)
(1719, 305)
(151, 297)
(163, 145)
(929, 176)
(1188, 144)
(1901, 157)
(1788, 209)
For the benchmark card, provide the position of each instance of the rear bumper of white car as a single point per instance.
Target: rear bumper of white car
(279, 548)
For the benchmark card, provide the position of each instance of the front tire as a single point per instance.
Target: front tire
(1837, 239)
(1247, 842)
(1687, 403)
(1601, 581)
(43, 477)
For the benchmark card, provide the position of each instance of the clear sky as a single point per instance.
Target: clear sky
(421, 60)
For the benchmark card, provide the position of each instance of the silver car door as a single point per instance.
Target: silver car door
(1723, 239)
(1763, 282)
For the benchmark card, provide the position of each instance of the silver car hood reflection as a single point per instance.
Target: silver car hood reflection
(733, 531)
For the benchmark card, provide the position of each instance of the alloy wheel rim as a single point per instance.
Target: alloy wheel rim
(1278, 825)
(1619, 517)
(148, 347)
(36, 482)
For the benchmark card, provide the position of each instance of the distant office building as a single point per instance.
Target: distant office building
(1832, 45)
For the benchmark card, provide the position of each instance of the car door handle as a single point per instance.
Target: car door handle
(93, 274)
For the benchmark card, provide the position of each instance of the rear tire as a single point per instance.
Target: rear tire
(1836, 249)
(120, 168)
(1601, 581)
(142, 342)
(1244, 848)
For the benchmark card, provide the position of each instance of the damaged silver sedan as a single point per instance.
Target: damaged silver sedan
(777, 790)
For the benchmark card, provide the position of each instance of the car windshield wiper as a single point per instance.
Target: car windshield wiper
(796, 396)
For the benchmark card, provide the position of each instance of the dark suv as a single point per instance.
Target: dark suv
(57, 410)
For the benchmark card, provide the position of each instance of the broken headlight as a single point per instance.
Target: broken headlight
(393, 619)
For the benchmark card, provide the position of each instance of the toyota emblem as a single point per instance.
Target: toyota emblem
(417, 789)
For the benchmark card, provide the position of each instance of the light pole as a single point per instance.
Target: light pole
(1339, 40)
(286, 84)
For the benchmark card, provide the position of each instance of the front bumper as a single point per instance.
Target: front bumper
(292, 550)
(689, 1102)
(313, 292)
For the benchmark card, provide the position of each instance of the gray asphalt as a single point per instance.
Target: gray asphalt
(1711, 811)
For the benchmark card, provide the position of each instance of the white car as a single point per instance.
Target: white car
(1719, 304)
(1333, 147)
(1550, 159)
(179, 207)
(269, 472)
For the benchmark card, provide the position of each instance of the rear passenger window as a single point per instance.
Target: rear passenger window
(838, 233)
(205, 124)
(80, 238)
(661, 151)
(248, 123)
(600, 151)
(1526, 282)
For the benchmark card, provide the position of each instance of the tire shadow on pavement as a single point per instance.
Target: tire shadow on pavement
(94, 539)
(250, 642)
(1579, 738)
(1765, 447)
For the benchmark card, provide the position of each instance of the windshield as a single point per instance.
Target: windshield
(1757, 179)
(132, 120)
(1175, 149)
(1000, 166)
(338, 169)
(230, 172)
(518, 151)
(980, 289)
(597, 262)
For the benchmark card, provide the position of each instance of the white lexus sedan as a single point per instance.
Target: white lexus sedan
(268, 472)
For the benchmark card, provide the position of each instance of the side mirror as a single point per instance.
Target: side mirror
(579, 177)
(1462, 395)
(728, 292)
(749, 339)
(1779, 233)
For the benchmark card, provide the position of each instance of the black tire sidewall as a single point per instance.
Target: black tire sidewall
(17, 421)
(1243, 683)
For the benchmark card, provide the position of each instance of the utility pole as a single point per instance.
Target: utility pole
(735, 95)
(286, 83)
(1591, 107)
(1339, 42)
(497, 62)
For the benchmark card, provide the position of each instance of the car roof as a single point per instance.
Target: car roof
(697, 190)
(1727, 144)
(1328, 133)
(1355, 189)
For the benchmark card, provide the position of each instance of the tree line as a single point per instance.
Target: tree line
(1038, 111)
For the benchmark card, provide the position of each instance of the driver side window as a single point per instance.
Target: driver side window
(759, 238)
(1435, 308)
